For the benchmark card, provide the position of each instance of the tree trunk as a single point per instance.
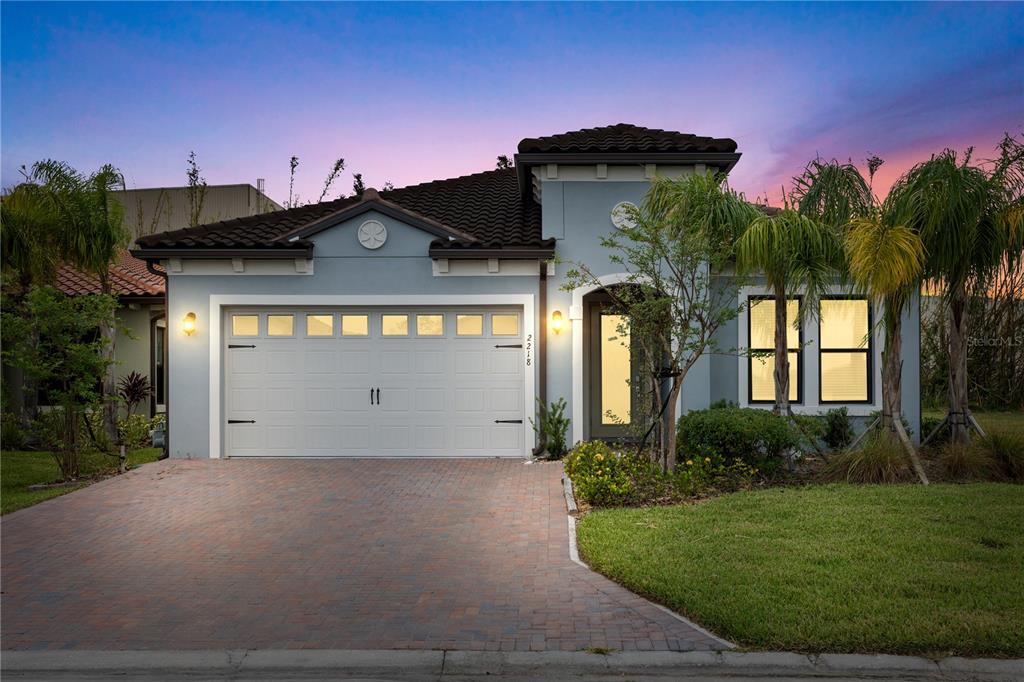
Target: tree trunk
(781, 354)
(892, 367)
(670, 418)
(109, 385)
(958, 368)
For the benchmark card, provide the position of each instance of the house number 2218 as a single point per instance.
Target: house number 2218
(529, 350)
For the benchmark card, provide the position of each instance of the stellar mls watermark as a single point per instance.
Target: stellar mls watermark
(996, 341)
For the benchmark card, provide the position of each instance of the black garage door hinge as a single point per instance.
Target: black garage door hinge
(236, 345)
(508, 421)
(241, 421)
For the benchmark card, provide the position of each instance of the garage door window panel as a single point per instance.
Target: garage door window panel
(394, 325)
(280, 325)
(245, 325)
(430, 325)
(469, 325)
(355, 325)
(504, 325)
(319, 325)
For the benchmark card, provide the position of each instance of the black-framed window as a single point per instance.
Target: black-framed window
(761, 339)
(844, 350)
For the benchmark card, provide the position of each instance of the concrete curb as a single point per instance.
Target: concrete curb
(292, 664)
(574, 556)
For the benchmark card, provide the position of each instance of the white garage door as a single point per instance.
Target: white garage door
(365, 382)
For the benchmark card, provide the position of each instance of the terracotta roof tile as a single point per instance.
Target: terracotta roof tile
(128, 276)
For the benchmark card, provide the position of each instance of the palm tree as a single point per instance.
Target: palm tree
(970, 219)
(90, 234)
(797, 255)
(29, 246)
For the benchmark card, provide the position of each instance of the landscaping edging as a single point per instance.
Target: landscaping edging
(331, 664)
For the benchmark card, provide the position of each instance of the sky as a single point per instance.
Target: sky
(409, 93)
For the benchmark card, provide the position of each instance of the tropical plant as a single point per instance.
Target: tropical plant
(673, 248)
(798, 256)
(551, 427)
(970, 218)
(838, 431)
(89, 233)
(134, 388)
(878, 460)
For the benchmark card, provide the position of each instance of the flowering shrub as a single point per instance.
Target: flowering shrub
(600, 475)
(757, 437)
(708, 472)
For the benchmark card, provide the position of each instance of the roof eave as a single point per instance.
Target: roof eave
(725, 161)
(152, 254)
(510, 253)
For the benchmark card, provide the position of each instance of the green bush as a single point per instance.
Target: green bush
(838, 428)
(13, 432)
(134, 430)
(757, 438)
(604, 476)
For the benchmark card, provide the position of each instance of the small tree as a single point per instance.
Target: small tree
(53, 339)
(357, 184)
(674, 248)
(196, 190)
(504, 162)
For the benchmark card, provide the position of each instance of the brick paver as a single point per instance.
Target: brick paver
(335, 554)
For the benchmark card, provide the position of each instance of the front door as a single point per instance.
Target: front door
(613, 373)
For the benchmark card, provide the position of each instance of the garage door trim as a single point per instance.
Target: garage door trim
(219, 301)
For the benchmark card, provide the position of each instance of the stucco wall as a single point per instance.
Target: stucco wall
(341, 267)
(132, 344)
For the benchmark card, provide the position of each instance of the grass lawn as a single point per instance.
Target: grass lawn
(901, 569)
(18, 470)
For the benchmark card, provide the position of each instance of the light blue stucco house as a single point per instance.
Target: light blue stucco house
(427, 320)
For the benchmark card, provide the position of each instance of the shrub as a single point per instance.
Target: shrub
(838, 428)
(700, 475)
(755, 437)
(604, 476)
(552, 425)
(1006, 451)
(134, 431)
(134, 388)
(13, 433)
(879, 460)
(967, 462)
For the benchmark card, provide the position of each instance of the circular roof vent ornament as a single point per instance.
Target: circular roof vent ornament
(373, 234)
(621, 215)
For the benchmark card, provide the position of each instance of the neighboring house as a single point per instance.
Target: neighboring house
(141, 341)
(420, 321)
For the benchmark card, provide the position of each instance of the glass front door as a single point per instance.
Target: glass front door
(612, 380)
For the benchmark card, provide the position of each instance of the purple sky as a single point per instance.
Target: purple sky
(410, 93)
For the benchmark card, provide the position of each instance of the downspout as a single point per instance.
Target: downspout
(542, 351)
(167, 360)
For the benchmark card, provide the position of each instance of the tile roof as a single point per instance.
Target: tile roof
(486, 206)
(128, 276)
(624, 138)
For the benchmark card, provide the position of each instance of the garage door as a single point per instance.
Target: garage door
(374, 382)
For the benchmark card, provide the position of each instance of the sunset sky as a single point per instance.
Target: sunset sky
(415, 92)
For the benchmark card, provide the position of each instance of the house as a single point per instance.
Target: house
(141, 341)
(424, 320)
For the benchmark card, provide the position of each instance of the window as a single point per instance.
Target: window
(245, 325)
(761, 317)
(430, 325)
(616, 394)
(319, 325)
(355, 325)
(469, 325)
(505, 325)
(280, 325)
(394, 325)
(845, 353)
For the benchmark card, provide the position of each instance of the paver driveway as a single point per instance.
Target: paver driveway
(338, 554)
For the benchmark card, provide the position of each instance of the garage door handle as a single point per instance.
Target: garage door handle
(509, 345)
(378, 396)
(236, 345)
(241, 421)
(371, 396)
(508, 421)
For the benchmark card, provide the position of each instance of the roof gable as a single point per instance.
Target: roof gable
(624, 138)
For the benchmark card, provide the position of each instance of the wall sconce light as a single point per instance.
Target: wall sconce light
(556, 321)
(188, 324)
